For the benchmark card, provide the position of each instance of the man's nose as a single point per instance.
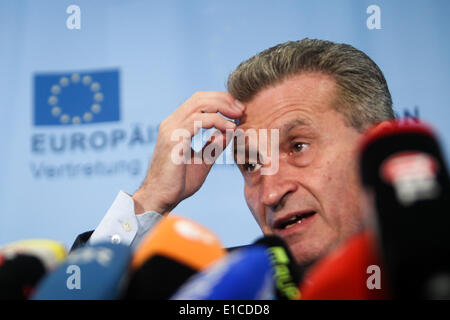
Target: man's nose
(275, 188)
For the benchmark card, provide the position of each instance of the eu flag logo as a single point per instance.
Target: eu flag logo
(76, 98)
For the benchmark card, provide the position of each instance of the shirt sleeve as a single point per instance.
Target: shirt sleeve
(122, 225)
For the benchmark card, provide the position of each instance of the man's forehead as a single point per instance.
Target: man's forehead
(284, 125)
(310, 94)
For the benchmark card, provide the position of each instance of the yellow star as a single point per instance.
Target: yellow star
(56, 111)
(96, 108)
(64, 118)
(76, 120)
(75, 78)
(52, 100)
(64, 81)
(55, 89)
(98, 97)
(87, 116)
(95, 86)
(87, 80)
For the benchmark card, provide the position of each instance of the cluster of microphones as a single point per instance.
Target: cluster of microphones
(404, 253)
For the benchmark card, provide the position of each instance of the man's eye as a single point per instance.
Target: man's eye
(299, 146)
(251, 167)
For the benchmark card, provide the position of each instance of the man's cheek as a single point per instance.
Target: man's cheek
(255, 207)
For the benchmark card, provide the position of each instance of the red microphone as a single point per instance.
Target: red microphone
(352, 271)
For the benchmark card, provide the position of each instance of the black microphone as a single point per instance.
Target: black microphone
(24, 263)
(405, 177)
(287, 273)
(19, 275)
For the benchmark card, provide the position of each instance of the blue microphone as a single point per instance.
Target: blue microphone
(93, 272)
(244, 274)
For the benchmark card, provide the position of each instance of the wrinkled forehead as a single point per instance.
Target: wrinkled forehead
(283, 125)
(304, 102)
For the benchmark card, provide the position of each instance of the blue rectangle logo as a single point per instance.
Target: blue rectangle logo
(76, 98)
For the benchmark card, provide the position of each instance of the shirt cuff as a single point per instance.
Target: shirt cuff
(122, 225)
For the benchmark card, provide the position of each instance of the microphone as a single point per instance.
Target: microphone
(404, 174)
(244, 274)
(172, 252)
(93, 272)
(24, 263)
(287, 274)
(352, 271)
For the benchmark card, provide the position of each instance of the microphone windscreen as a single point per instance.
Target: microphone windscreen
(244, 274)
(406, 179)
(19, 275)
(24, 263)
(352, 271)
(287, 274)
(93, 272)
(182, 240)
(172, 252)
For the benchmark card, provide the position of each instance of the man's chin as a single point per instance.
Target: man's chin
(306, 255)
(305, 261)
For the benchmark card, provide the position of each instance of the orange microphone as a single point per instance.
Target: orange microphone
(175, 250)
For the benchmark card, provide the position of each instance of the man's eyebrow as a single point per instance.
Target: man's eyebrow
(285, 128)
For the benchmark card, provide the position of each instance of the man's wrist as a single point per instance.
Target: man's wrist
(144, 202)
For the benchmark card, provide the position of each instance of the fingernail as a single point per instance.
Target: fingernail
(239, 105)
(231, 125)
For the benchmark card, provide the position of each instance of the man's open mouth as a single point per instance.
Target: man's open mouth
(293, 220)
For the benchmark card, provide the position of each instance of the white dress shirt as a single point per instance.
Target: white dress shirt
(122, 225)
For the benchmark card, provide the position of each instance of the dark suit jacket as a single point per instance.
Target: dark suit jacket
(83, 238)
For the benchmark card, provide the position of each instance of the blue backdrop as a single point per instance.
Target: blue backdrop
(133, 62)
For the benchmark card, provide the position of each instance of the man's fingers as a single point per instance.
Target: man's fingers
(233, 111)
(210, 120)
(212, 149)
(213, 102)
(221, 139)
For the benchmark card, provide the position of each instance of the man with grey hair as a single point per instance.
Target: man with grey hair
(320, 96)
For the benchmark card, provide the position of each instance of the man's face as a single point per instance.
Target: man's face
(313, 201)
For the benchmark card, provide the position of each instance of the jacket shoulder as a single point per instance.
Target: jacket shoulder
(81, 240)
